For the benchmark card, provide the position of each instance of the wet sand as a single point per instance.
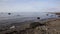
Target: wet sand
(52, 24)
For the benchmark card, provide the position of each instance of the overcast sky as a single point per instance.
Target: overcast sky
(29, 5)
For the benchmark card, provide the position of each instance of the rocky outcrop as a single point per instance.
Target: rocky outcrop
(49, 27)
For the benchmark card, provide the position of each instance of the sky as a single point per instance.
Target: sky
(29, 5)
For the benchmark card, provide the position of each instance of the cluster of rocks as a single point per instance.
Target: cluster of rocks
(34, 28)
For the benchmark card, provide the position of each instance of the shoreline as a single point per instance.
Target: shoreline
(28, 22)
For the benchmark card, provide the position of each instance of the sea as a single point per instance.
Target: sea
(5, 18)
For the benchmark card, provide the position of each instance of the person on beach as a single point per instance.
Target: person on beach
(38, 17)
(9, 13)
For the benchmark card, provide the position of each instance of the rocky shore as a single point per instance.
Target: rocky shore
(49, 26)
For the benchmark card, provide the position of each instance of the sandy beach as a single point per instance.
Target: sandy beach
(49, 26)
